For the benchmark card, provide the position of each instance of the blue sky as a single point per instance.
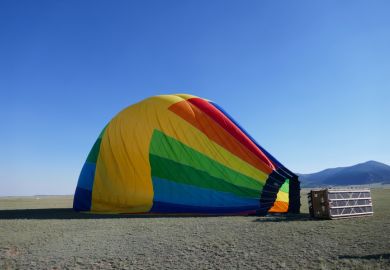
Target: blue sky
(310, 80)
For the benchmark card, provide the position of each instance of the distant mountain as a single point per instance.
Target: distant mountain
(370, 172)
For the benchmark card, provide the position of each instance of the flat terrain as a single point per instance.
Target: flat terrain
(43, 232)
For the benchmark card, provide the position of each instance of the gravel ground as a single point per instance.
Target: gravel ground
(44, 233)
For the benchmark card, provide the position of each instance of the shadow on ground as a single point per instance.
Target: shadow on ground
(384, 256)
(285, 218)
(69, 213)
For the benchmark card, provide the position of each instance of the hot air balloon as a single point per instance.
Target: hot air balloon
(181, 154)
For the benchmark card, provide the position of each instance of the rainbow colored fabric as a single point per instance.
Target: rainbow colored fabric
(181, 154)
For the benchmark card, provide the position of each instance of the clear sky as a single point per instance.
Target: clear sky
(309, 80)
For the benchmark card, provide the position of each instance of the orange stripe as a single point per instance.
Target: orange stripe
(230, 127)
(279, 207)
(216, 133)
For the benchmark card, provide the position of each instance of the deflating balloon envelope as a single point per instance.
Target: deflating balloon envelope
(182, 154)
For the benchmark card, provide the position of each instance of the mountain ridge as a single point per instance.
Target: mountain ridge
(366, 173)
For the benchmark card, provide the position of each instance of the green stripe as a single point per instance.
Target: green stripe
(94, 153)
(286, 186)
(169, 148)
(180, 173)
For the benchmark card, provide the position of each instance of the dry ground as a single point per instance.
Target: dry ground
(45, 233)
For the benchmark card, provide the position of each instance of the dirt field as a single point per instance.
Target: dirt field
(42, 232)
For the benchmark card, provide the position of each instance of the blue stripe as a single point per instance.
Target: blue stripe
(82, 199)
(182, 194)
(163, 207)
(87, 176)
(83, 195)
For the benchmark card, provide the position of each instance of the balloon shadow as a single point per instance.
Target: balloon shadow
(285, 218)
(384, 256)
(69, 213)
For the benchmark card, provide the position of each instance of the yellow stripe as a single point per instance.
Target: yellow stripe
(282, 196)
(122, 178)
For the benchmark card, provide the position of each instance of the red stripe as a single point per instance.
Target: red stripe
(204, 123)
(230, 127)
